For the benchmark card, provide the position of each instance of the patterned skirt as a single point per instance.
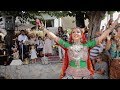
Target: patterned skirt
(72, 77)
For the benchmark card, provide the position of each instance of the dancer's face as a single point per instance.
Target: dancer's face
(76, 34)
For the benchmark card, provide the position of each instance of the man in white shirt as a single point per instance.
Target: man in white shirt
(22, 38)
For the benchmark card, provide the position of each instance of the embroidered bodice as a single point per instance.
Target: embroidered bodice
(78, 55)
(77, 52)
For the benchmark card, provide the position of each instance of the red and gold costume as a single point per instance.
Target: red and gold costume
(76, 62)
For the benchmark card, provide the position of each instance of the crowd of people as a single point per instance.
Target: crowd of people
(79, 52)
(30, 45)
(82, 58)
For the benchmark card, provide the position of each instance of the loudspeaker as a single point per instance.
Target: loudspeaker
(80, 20)
(9, 23)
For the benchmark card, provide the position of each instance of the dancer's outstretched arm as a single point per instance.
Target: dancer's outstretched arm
(50, 34)
(106, 33)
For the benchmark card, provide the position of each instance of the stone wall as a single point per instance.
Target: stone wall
(31, 71)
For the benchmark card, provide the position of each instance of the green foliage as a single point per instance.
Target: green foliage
(58, 14)
(13, 13)
(111, 12)
(33, 14)
(32, 22)
(103, 17)
(23, 14)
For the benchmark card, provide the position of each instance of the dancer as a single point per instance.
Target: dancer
(75, 64)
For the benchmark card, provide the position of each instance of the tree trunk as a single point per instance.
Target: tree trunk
(95, 18)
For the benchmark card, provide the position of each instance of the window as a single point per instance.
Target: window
(49, 23)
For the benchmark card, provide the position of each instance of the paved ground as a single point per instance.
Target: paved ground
(31, 71)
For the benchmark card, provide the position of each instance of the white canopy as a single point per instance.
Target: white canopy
(24, 26)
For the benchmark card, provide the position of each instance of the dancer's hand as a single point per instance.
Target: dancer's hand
(115, 22)
(41, 26)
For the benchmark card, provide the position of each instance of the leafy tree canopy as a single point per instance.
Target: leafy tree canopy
(33, 14)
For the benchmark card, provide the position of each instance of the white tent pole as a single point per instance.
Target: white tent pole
(44, 40)
(22, 51)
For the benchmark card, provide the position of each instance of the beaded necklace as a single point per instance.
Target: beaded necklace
(75, 52)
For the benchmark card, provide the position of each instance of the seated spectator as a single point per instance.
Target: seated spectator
(101, 68)
(97, 49)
